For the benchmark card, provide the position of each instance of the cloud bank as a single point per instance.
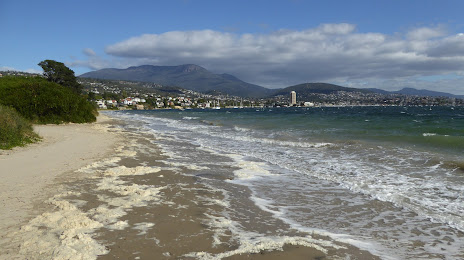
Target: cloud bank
(334, 53)
(6, 68)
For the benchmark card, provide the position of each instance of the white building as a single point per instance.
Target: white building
(292, 98)
(128, 101)
(101, 104)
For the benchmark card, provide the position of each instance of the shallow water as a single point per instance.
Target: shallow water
(385, 179)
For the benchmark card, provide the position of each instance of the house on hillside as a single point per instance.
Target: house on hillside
(128, 102)
(101, 104)
(112, 103)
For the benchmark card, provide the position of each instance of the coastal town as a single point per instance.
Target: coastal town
(141, 95)
(120, 94)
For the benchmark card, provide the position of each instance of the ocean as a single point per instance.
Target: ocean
(387, 180)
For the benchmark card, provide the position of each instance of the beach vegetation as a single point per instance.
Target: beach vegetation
(57, 72)
(43, 102)
(15, 130)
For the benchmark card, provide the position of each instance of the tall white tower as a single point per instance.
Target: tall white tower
(292, 98)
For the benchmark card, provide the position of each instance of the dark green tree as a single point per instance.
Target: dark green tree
(58, 72)
(91, 96)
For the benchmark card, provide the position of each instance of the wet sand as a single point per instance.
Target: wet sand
(124, 200)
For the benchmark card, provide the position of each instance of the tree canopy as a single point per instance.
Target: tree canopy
(57, 72)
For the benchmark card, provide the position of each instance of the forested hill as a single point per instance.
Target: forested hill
(317, 88)
(188, 76)
(425, 92)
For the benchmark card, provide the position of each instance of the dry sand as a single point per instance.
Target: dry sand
(27, 173)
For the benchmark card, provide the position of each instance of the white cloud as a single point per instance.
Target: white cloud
(452, 46)
(425, 33)
(6, 68)
(37, 71)
(329, 53)
(89, 52)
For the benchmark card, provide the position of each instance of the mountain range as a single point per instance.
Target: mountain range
(197, 78)
(187, 76)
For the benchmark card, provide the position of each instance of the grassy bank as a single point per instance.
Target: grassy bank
(15, 130)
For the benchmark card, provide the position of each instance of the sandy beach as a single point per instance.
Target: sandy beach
(28, 174)
(101, 191)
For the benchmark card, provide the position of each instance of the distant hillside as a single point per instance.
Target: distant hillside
(188, 76)
(424, 92)
(380, 91)
(416, 92)
(101, 86)
(305, 89)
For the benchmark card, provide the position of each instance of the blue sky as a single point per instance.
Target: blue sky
(384, 44)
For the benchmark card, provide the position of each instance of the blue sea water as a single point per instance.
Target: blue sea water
(385, 179)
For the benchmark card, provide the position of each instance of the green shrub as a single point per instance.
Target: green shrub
(14, 129)
(45, 102)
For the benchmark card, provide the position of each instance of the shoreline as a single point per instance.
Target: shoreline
(30, 174)
(129, 199)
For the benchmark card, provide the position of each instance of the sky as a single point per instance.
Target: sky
(386, 44)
